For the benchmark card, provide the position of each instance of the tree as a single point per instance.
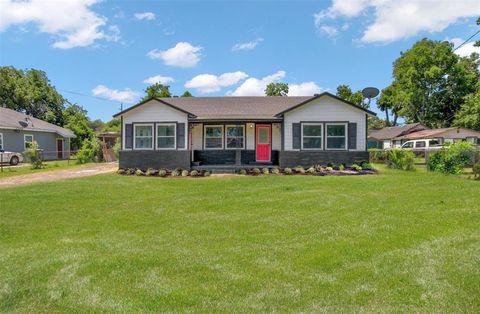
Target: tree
(187, 94)
(96, 125)
(375, 123)
(157, 90)
(76, 120)
(276, 89)
(469, 114)
(346, 93)
(113, 125)
(477, 43)
(434, 82)
(30, 91)
(392, 98)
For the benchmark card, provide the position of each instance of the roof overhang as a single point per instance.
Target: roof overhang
(147, 100)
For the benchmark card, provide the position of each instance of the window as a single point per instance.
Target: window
(407, 145)
(1, 141)
(27, 140)
(234, 136)
(143, 136)
(336, 135)
(213, 137)
(312, 134)
(434, 143)
(420, 144)
(166, 136)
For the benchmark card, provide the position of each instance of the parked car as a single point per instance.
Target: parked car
(422, 144)
(11, 158)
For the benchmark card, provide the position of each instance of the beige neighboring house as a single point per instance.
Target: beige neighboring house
(391, 137)
(445, 135)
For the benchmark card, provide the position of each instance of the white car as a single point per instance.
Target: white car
(422, 144)
(11, 158)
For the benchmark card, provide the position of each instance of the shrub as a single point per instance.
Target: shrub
(275, 171)
(476, 170)
(151, 172)
(194, 173)
(356, 167)
(116, 148)
(256, 171)
(328, 169)
(400, 159)
(377, 155)
(318, 168)
(341, 167)
(121, 171)
(162, 173)
(91, 151)
(265, 171)
(34, 156)
(311, 170)
(367, 166)
(287, 171)
(176, 172)
(299, 169)
(185, 173)
(242, 172)
(206, 173)
(453, 159)
(130, 171)
(139, 172)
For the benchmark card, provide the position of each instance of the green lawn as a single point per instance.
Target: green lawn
(9, 171)
(396, 242)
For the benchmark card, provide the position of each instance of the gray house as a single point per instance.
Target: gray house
(18, 131)
(194, 132)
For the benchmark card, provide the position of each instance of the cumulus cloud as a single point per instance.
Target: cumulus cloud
(303, 89)
(466, 50)
(126, 95)
(158, 79)
(149, 16)
(395, 20)
(256, 87)
(209, 83)
(73, 23)
(248, 45)
(183, 55)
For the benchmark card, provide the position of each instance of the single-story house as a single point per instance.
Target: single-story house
(444, 135)
(18, 131)
(188, 132)
(391, 137)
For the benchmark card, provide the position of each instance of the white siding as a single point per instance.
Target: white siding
(326, 109)
(154, 111)
(276, 136)
(250, 136)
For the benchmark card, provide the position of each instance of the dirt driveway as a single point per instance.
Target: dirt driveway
(55, 175)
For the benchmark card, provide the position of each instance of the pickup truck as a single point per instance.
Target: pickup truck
(11, 158)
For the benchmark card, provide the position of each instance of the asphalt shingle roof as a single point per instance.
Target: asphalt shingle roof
(393, 131)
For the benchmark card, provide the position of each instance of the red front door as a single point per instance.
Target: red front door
(264, 140)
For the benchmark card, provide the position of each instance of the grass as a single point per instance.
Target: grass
(9, 171)
(396, 242)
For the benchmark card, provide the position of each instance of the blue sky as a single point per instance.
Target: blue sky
(104, 51)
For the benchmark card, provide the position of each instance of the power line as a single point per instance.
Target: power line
(85, 95)
(466, 41)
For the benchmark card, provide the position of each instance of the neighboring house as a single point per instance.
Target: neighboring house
(18, 131)
(445, 135)
(243, 132)
(390, 137)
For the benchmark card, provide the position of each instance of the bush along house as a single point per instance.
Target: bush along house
(242, 132)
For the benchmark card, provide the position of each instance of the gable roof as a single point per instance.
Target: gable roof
(396, 131)
(237, 107)
(437, 133)
(9, 119)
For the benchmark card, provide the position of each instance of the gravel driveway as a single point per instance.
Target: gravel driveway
(55, 175)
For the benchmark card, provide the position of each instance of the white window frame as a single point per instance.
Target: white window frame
(135, 136)
(205, 136)
(25, 142)
(321, 136)
(327, 137)
(226, 135)
(1, 141)
(174, 136)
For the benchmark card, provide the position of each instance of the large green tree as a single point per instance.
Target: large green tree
(469, 114)
(30, 91)
(345, 92)
(434, 82)
(276, 89)
(187, 94)
(390, 101)
(113, 125)
(157, 90)
(77, 121)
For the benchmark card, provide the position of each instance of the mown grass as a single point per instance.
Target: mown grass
(10, 171)
(396, 242)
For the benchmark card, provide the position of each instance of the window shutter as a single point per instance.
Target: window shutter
(128, 135)
(296, 134)
(352, 136)
(180, 135)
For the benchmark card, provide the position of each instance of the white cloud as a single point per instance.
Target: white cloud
(159, 79)
(330, 31)
(247, 46)
(209, 83)
(149, 16)
(303, 89)
(183, 55)
(467, 49)
(256, 87)
(126, 95)
(395, 20)
(73, 23)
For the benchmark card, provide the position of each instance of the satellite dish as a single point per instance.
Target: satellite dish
(370, 92)
(24, 124)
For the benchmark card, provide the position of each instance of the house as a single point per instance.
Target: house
(191, 132)
(391, 137)
(18, 131)
(444, 135)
